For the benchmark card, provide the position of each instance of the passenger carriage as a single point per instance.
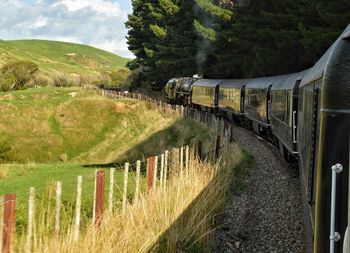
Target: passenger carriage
(307, 114)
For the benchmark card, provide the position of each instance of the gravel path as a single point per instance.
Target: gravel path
(267, 216)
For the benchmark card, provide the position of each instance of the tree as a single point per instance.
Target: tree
(167, 37)
(17, 74)
(277, 37)
(231, 38)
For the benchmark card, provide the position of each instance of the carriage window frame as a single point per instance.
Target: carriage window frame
(203, 95)
(230, 98)
(281, 106)
(257, 94)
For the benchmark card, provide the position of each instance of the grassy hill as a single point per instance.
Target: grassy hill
(60, 133)
(48, 125)
(61, 58)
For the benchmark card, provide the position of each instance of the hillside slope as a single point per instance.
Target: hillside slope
(46, 125)
(61, 58)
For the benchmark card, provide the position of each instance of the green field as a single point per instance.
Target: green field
(61, 58)
(60, 133)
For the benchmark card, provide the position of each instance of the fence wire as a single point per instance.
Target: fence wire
(208, 150)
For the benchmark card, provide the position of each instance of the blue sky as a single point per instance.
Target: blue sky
(99, 23)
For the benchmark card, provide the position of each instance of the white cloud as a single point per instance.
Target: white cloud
(100, 6)
(99, 23)
(39, 22)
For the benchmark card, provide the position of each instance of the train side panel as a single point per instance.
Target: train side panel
(231, 96)
(333, 145)
(205, 93)
(257, 104)
(283, 113)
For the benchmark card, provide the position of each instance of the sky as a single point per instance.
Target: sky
(98, 23)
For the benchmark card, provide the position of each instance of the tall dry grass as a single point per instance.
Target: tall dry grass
(178, 218)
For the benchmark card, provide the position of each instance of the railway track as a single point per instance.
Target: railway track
(268, 215)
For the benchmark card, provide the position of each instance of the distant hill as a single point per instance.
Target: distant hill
(61, 58)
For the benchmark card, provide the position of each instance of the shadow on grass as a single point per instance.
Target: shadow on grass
(182, 132)
(185, 236)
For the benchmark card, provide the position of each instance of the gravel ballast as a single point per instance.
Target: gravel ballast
(267, 216)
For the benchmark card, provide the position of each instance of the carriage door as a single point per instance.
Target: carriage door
(311, 190)
(268, 104)
(307, 135)
(295, 99)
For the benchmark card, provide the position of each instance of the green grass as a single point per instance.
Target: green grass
(60, 133)
(48, 124)
(242, 172)
(43, 177)
(55, 57)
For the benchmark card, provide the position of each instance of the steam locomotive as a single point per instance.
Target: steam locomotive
(307, 116)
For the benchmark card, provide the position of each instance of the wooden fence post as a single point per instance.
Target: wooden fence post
(150, 172)
(100, 183)
(231, 134)
(161, 171)
(181, 161)
(30, 219)
(155, 172)
(94, 205)
(137, 185)
(222, 127)
(166, 157)
(77, 209)
(2, 202)
(111, 190)
(58, 207)
(199, 149)
(125, 188)
(217, 146)
(187, 158)
(8, 222)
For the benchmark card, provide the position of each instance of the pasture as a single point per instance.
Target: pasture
(60, 133)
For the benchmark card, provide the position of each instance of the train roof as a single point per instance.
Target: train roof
(262, 82)
(207, 83)
(287, 82)
(234, 83)
(316, 72)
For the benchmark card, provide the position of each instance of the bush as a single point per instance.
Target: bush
(117, 77)
(4, 150)
(113, 79)
(61, 80)
(17, 75)
(41, 81)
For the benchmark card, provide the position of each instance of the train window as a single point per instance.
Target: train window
(203, 95)
(256, 104)
(281, 105)
(256, 97)
(230, 98)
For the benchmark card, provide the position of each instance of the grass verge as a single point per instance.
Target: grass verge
(180, 218)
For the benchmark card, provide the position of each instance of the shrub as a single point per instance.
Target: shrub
(117, 77)
(17, 75)
(113, 79)
(4, 150)
(41, 81)
(61, 80)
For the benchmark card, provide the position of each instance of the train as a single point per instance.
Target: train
(306, 115)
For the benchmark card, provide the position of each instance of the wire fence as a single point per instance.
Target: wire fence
(138, 177)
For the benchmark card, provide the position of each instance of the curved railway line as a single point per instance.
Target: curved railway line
(306, 115)
(267, 215)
